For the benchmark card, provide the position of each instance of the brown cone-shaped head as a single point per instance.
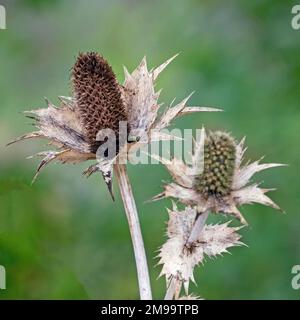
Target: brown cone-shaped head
(98, 95)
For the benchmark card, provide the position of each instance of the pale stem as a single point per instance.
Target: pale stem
(135, 232)
(174, 287)
(197, 228)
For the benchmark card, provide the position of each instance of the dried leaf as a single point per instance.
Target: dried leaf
(106, 168)
(177, 259)
(171, 113)
(244, 174)
(252, 194)
(60, 125)
(140, 98)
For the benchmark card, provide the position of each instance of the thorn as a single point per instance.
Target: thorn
(47, 101)
(107, 176)
(157, 197)
(110, 189)
(126, 73)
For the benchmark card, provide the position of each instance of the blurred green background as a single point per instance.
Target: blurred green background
(63, 237)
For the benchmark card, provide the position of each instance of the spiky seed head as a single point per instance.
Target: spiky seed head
(219, 162)
(98, 95)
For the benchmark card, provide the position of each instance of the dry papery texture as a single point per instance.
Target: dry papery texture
(217, 180)
(179, 255)
(100, 102)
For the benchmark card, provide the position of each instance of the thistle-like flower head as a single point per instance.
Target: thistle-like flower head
(99, 102)
(216, 180)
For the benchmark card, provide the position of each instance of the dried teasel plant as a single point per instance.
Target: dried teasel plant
(216, 181)
(100, 102)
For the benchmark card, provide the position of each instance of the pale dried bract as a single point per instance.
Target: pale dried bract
(202, 183)
(179, 260)
(100, 102)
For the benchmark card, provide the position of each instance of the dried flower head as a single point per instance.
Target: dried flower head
(219, 158)
(98, 96)
(100, 102)
(216, 180)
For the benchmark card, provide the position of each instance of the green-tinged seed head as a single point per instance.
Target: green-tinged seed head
(219, 162)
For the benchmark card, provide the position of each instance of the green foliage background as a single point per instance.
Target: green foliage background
(63, 237)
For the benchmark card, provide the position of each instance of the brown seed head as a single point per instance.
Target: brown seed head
(98, 95)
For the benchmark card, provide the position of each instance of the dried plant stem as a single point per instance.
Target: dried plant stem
(174, 289)
(175, 284)
(197, 228)
(135, 231)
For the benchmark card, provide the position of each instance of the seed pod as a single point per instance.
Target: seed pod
(98, 96)
(219, 162)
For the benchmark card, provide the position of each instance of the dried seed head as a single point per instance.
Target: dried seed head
(98, 95)
(219, 162)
